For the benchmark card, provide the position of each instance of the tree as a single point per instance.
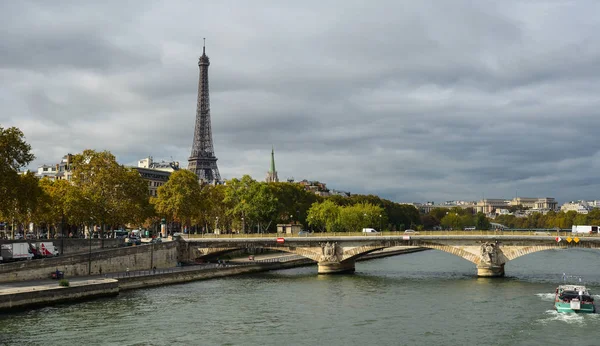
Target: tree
(15, 154)
(179, 197)
(113, 194)
(358, 216)
(27, 194)
(236, 196)
(293, 201)
(482, 223)
(325, 216)
(261, 206)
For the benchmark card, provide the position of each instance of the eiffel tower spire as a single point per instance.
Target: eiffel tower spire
(203, 161)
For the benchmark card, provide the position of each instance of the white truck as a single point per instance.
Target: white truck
(45, 249)
(15, 252)
(584, 229)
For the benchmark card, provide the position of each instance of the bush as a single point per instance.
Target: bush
(63, 283)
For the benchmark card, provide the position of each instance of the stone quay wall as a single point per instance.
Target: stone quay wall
(75, 245)
(130, 283)
(143, 257)
(25, 298)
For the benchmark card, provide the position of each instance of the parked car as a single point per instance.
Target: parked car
(541, 233)
(411, 231)
(303, 232)
(132, 240)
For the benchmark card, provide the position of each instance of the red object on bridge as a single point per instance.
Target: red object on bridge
(558, 239)
(280, 240)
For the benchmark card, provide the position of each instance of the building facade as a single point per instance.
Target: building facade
(156, 174)
(61, 170)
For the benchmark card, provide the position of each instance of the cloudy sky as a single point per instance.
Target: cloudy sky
(410, 100)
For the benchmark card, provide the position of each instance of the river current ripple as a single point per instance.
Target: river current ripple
(424, 298)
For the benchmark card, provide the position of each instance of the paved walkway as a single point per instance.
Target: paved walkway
(20, 286)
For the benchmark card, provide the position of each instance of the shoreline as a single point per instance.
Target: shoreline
(21, 298)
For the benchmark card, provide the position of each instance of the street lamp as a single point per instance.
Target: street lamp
(380, 225)
(243, 226)
(216, 223)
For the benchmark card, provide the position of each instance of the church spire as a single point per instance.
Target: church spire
(272, 174)
(272, 159)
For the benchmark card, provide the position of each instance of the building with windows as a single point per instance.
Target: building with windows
(581, 207)
(155, 173)
(61, 170)
(542, 205)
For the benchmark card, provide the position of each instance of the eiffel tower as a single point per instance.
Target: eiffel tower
(202, 161)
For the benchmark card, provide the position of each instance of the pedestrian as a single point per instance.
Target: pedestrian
(154, 269)
(127, 271)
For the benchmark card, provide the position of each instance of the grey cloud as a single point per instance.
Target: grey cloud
(410, 100)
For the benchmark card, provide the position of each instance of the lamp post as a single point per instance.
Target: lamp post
(243, 226)
(380, 225)
(216, 223)
(90, 254)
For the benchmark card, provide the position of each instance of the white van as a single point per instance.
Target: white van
(369, 230)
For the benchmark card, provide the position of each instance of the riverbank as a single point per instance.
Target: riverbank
(28, 295)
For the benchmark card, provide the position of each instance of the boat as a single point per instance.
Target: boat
(573, 298)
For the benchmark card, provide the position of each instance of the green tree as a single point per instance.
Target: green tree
(179, 197)
(261, 206)
(354, 218)
(237, 197)
(482, 223)
(325, 216)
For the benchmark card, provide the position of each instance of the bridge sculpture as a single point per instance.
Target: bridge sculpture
(337, 254)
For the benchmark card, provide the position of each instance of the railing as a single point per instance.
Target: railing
(379, 234)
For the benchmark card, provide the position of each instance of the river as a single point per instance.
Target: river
(424, 298)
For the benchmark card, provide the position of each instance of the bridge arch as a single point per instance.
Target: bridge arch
(469, 256)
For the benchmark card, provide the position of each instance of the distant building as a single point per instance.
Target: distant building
(486, 206)
(427, 207)
(61, 170)
(339, 193)
(542, 205)
(272, 174)
(156, 174)
(545, 203)
(316, 187)
(581, 207)
(161, 166)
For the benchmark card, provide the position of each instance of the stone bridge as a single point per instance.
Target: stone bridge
(337, 254)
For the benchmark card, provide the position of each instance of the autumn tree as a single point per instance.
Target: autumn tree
(15, 154)
(111, 193)
(179, 198)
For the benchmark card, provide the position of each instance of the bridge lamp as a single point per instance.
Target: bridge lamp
(380, 225)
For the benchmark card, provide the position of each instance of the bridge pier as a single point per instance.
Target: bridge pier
(490, 271)
(344, 267)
